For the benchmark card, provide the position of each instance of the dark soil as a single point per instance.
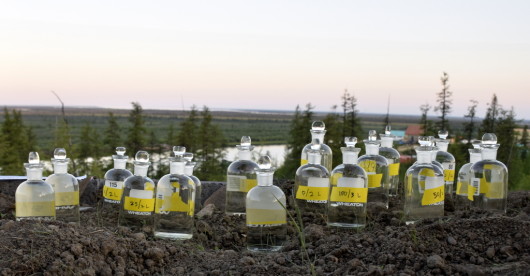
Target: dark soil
(461, 243)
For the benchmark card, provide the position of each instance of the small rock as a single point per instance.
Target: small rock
(490, 252)
(8, 225)
(154, 253)
(508, 250)
(374, 270)
(77, 249)
(139, 236)
(314, 232)
(451, 240)
(280, 260)
(207, 211)
(247, 260)
(435, 261)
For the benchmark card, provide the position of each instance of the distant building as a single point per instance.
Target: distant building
(412, 133)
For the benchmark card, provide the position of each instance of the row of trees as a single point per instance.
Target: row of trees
(197, 133)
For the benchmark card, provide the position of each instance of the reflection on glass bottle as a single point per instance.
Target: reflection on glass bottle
(447, 160)
(349, 189)
(174, 201)
(138, 199)
(188, 171)
(424, 188)
(240, 178)
(318, 130)
(430, 141)
(311, 183)
(376, 167)
(393, 157)
(66, 188)
(34, 198)
(109, 209)
(489, 182)
(463, 197)
(266, 213)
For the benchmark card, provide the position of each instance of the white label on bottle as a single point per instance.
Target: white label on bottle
(142, 194)
(475, 182)
(233, 183)
(351, 182)
(114, 184)
(432, 182)
(318, 182)
(448, 166)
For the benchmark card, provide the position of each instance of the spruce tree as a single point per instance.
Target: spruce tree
(444, 103)
(426, 124)
(136, 132)
(469, 127)
(112, 137)
(492, 115)
(187, 136)
(209, 153)
(16, 142)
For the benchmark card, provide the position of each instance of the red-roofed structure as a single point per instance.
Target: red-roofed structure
(412, 133)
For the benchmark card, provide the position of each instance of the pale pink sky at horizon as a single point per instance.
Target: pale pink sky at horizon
(265, 54)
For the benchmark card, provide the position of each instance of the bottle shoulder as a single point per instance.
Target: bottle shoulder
(417, 168)
(380, 160)
(444, 156)
(388, 152)
(323, 147)
(312, 169)
(488, 164)
(270, 193)
(242, 166)
(350, 170)
(34, 185)
(117, 174)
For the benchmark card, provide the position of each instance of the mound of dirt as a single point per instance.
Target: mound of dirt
(461, 243)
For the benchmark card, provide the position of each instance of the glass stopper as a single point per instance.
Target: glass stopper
(246, 141)
(431, 140)
(476, 143)
(318, 126)
(388, 130)
(424, 141)
(120, 151)
(489, 139)
(142, 156)
(315, 144)
(350, 141)
(188, 156)
(179, 150)
(33, 158)
(443, 134)
(372, 135)
(59, 154)
(264, 162)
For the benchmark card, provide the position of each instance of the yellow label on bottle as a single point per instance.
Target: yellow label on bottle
(112, 193)
(257, 217)
(484, 186)
(148, 186)
(495, 190)
(139, 204)
(35, 209)
(312, 193)
(461, 189)
(434, 195)
(470, 192)
(368, 165)
(449, 175)
(393, 169)
(248, 184)
(303, 162)
(191, 209)
(335, 178)
(374, 180)
(67, 198)
(346, 194)
(422, 176)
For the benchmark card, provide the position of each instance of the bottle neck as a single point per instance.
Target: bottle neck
(34, 173)
(313, 158)
(265, 178)
(424, 157)
(489, 154)
(372, 149)
(318, 135)
(188, 170)
(244, 154)
(120, 164)
(475, 157)
(442, 146)
(349, 156)
(60, 167)
(387, 142)
(141, 170)
(176, 167)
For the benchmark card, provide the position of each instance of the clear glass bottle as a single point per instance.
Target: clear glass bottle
(174, 201)
(447, 160)
(109, 207)
(489, 178)
(376, 167)
(424, 188)
(188, 171)
(462, 197)
(266, 212)
(312, 182)
(240, 178)
(393, 157)
(66, 188)
(138, 198)
(318, 130)
(349, 189)
(34, 198)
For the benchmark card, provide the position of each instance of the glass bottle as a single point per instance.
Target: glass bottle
(240, 178)
(174, 201)
(393, 157)
(311, 183)
(424, 188)
(428, 141)
(138, 198)
(318, 130)
(489, 178)
(66, 188)
(349, 189)
(188, 171)
(34, 198)
(266, 211)
(447, 160)
(462, 197)
(376, 167)
(109, 209)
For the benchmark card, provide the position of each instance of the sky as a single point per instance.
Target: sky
(265, 54)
